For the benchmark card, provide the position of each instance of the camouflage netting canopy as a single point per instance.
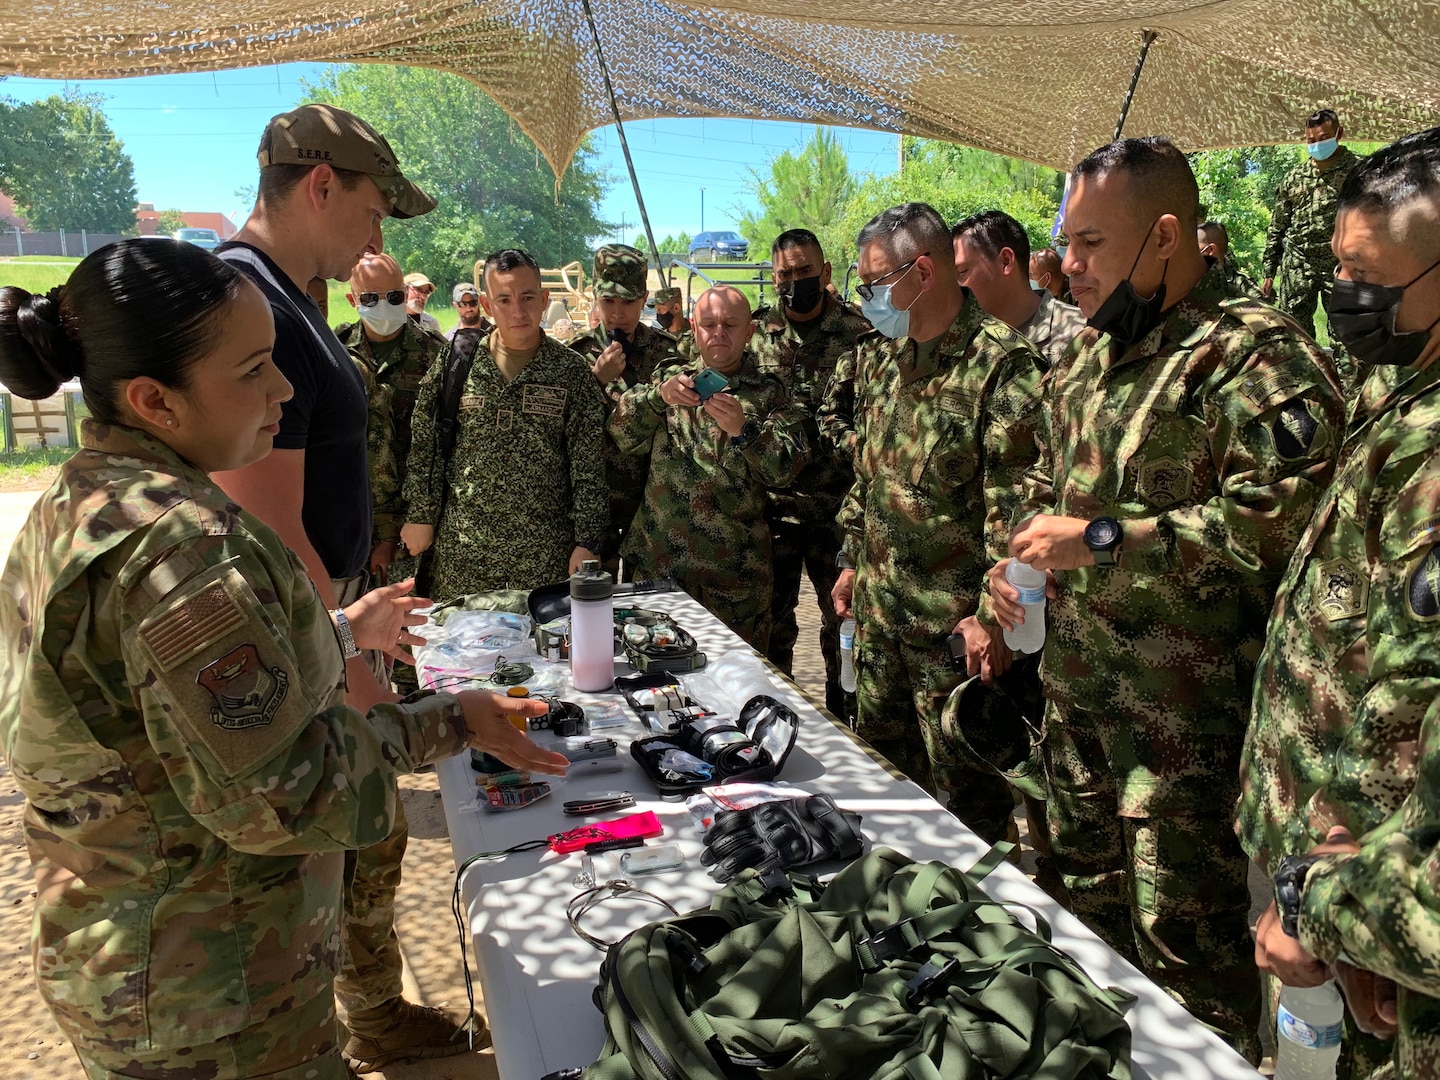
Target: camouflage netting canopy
(1036, 79)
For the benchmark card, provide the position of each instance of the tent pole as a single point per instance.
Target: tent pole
(624, 145)
(1146, 37)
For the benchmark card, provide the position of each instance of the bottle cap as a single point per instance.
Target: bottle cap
(516, 691)
(591, 583)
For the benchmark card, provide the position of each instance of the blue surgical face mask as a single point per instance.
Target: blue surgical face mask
(883, 314)
(1324, 149)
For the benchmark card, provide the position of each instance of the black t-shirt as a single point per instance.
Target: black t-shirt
(326, 418)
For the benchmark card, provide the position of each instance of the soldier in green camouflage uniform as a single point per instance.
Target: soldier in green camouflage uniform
(1207, 429)
(1214, 240)
(1345, 730)
(620, 292)
(943, 432)
(171, 704)
(670, 311)
(703, 518)
(801, 349)
(393, 365)
(1297, 263)
(527, 497)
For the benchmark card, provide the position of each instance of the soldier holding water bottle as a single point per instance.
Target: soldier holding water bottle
(1186, 439)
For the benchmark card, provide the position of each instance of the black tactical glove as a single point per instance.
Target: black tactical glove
(793, 832)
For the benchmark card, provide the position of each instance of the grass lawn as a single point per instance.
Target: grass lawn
(35, 275)
(29, 470)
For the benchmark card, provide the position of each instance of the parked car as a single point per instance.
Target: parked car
(710, 246)
(208, 239)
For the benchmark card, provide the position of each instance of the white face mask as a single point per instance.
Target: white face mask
(383, 318)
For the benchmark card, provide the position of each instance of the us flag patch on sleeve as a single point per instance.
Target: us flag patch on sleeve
(207, 616)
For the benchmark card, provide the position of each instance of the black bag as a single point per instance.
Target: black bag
(752, 749)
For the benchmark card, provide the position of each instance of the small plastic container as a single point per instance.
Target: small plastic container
(592, 628)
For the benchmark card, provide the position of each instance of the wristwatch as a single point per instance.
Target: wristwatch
(1103, 536)
(1289, 883)
(347, 639)
(748, 434)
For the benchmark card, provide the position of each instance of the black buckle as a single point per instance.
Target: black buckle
(775, 882)
(929, 979)
(890, 943)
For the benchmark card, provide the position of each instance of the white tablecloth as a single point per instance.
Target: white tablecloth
(537, 975)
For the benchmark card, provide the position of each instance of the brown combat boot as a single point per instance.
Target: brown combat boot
(401, 1031)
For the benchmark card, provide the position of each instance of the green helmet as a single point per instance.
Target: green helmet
(989, 723)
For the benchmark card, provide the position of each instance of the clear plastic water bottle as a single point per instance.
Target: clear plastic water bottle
(1307, 1042)
(847, 656)
(1029, 636)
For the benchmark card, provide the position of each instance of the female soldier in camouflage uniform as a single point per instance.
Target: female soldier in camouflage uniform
(172, 701)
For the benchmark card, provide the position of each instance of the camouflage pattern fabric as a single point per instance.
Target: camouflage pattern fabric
(621, 271)
(625, 473)
(802, 516)
(1297, 247)
(1210, 440)
(191, 774)
(393, 387)
(1241, 283)
(527, 478)
(1346, 725)
(703, 518)
(940, 448)
(1051, 329)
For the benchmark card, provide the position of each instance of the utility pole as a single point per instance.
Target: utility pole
(702, 209)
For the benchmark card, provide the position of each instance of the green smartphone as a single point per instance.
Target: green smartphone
(709, 383)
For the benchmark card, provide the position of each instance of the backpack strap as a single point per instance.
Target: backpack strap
(997, 854)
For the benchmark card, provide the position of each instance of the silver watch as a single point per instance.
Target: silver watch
(347, 639)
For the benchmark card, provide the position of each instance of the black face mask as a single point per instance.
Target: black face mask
(666, 319)
(1125, 316)
(1362, 318)
(801, 296)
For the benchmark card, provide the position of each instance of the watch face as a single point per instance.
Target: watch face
(1102, 533)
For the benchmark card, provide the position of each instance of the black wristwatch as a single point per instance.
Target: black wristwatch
(1289, 883)
(1102, 537)
(748, 434)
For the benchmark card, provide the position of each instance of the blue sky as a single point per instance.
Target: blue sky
(193, 139)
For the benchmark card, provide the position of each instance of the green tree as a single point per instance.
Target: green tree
(959, 181)
(63, 165)
(806, 188)
(492, 187)
(170, 220)
(1237, 188)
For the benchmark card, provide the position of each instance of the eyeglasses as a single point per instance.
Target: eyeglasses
(867, 290)
(467, 303)
(370, 299)
(426, 289)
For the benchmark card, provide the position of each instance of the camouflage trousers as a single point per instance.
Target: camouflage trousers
(1167, 892)
(300, 1044)
(900, 690)
(1300, 288)
(743, 608)
(370, 964)
(809, 549)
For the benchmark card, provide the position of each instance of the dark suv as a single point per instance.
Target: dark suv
(710, 246)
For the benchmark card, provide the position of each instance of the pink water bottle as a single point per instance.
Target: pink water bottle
(592, 628)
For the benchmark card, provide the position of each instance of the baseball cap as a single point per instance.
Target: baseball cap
(463, 290)
(666, 296)
(325, 135)
(620, 271)
(419, 280)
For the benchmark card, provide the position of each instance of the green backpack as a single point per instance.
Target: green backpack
(895, 970)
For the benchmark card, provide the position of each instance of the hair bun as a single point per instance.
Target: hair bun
(43, 327)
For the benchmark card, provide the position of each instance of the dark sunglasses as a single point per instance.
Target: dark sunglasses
(370, 299)
(867, 291)
(467, 303)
